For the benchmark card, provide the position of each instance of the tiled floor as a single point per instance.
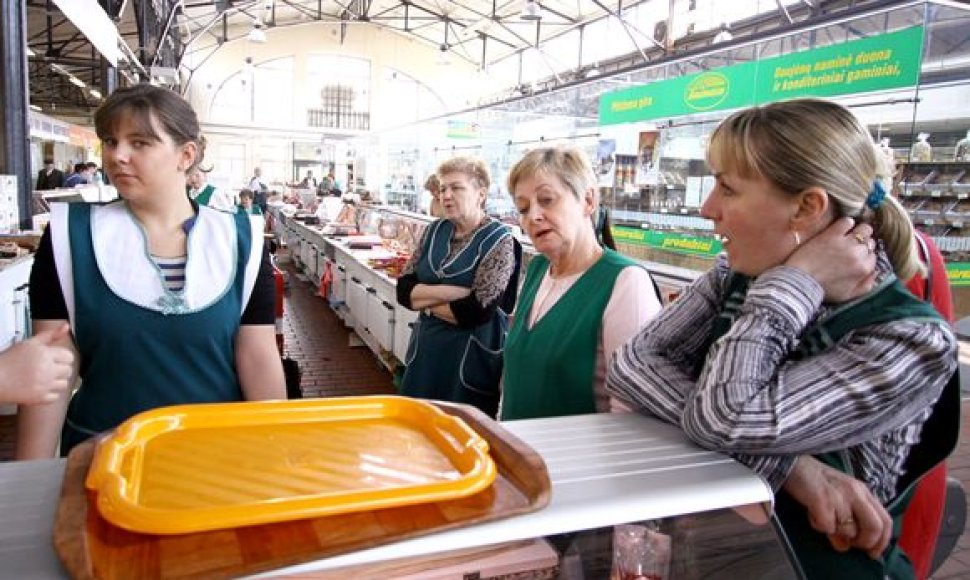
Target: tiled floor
(316, 338)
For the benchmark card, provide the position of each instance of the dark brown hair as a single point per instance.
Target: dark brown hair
(143, 101)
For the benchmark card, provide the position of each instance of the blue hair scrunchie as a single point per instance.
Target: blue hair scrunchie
(876, 196)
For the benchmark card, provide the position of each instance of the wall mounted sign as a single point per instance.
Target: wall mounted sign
(463, 130)
(958, 273)
(674, 242)
(886, 61)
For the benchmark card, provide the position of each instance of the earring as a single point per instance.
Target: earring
(798, 239)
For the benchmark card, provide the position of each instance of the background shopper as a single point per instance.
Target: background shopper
(50, 177)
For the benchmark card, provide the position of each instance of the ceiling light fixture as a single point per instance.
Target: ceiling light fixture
(95, 93)
(35, 108)
(531, 11)
(29, 51)
(443, 57)
(76, 82)
(257, 34)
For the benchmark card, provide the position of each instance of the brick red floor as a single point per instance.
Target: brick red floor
(316, 338)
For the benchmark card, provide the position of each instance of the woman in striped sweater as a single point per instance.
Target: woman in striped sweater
(801, 341)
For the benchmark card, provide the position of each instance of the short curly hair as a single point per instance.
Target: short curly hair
(473, 167)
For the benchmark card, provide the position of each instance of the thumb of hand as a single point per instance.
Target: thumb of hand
(50, 337)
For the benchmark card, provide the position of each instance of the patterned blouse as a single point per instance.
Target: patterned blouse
(493, 273)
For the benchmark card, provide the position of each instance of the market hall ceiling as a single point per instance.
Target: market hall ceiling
(157, 35)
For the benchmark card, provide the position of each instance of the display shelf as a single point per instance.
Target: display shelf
(403, 198)
(937, 196)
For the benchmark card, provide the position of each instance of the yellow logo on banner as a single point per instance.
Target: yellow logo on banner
(706, 91)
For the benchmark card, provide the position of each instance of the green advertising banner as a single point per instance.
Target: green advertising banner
(463, 130)
(958, 273)
(887, 61)
(682, 243)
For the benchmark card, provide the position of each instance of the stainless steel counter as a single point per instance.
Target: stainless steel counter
(28, 498)
(605, 469)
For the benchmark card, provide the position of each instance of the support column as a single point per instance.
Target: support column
(14, 119)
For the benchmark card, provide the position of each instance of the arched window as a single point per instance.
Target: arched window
(337, 92)
(405, 99)
(257, 94)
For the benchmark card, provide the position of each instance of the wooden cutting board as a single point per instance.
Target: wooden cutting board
(90, 547)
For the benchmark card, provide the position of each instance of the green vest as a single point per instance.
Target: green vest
(549, 368)
(205, 195)
(888, 302)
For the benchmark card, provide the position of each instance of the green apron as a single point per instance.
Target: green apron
(134, 359)
(205, 195)
(549, 368)
(444, 361)
(888, 302)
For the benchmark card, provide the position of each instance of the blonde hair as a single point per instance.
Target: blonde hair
(567, 163)
(472, 167)
(806, 143)
(571, 166)
(432, 184)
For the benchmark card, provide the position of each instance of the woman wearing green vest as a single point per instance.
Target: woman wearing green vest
(580, 300)
(801, 346)
(207, 194)
(463, 279)
(169, 302)
(246, 205)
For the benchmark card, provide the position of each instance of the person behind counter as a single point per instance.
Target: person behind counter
(580, 300)
(463, 278)
(802, 340)
(428, 201)
(246, 204)
(207, 194)
(162, 317)
(37, 370)
(80, 176)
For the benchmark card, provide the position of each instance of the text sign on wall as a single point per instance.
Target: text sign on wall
(681, 243)
(887, 61)
(958, 273)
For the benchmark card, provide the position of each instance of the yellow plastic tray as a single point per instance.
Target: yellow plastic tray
(192, 468)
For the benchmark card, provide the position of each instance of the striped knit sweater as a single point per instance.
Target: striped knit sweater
(868, 395)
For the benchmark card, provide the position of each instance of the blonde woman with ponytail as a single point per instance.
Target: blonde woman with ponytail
(800, 352)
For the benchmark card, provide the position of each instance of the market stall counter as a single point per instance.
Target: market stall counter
(355, 267)
(604, 470)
